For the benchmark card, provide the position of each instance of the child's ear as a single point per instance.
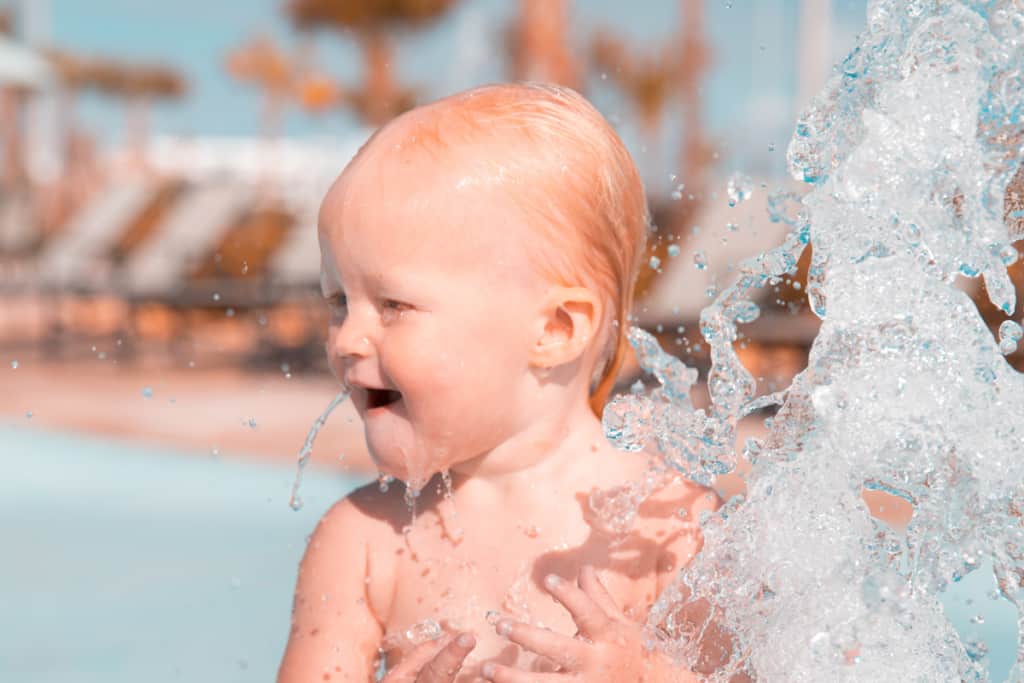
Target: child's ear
(571, 317)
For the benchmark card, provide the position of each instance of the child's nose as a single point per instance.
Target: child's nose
(349, 339)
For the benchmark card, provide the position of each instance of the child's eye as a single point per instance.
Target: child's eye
(392, 310)
(393, 305)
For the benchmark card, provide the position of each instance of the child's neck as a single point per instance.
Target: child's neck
(547, 451)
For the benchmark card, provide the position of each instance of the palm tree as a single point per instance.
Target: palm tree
(381, 97)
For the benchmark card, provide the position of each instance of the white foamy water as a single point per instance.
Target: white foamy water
(909, 151)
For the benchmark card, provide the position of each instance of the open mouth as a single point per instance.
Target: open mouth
(378, 398)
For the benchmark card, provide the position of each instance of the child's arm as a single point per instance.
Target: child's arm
(335, 632)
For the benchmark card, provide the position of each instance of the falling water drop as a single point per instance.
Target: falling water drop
(1010, 334)
(816, 297)
(739, 188)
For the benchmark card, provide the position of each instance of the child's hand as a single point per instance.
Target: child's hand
(435, 661)
(608, 647)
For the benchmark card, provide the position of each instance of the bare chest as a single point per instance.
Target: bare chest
(496, 569)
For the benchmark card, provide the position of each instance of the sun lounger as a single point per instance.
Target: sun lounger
(18, 231)
(160, 268)
(79, 257)
(296, 265)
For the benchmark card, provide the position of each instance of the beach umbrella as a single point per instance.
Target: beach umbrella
(372, 21)
(261, 62)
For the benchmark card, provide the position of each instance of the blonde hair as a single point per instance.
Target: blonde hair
(567, 166)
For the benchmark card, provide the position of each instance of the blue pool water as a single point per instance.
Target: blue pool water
(122, 562)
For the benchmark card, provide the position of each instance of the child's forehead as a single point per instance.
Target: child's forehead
(429, 216)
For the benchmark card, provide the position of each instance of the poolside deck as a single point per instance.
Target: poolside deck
(192, 409)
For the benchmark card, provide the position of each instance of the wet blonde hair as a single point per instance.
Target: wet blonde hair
(567, 167)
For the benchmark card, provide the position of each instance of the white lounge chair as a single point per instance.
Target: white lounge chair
(161, 266)
(79, 256)
(296, 264)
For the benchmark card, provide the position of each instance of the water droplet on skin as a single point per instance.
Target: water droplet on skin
(214, 451)
(251, 422)
(216, 296)
(14, 365)
(654, 263)
(410, 496)
(449, 516)
(384, 482)
(147, 392)
(245, 267)
(673, 250)
(428, 629)
(700, 260)
(732, 227)
(28, 415)
(492, 617)
(230, 312)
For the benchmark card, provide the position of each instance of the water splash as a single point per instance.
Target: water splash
(909, 150)
(307, 448)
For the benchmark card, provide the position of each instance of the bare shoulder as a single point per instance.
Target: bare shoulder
(343, 590)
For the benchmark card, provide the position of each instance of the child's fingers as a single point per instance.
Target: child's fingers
(592, 585)
(564, 651)
(446, 663)
(590, 619)
(415, 660)
(499, 673)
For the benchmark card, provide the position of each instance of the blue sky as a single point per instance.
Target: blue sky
(748, 94)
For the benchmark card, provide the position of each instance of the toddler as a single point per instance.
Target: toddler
(478, 257)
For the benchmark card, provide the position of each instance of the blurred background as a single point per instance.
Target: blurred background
(161, 328)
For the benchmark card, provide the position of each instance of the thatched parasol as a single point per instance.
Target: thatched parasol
(380, 98)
